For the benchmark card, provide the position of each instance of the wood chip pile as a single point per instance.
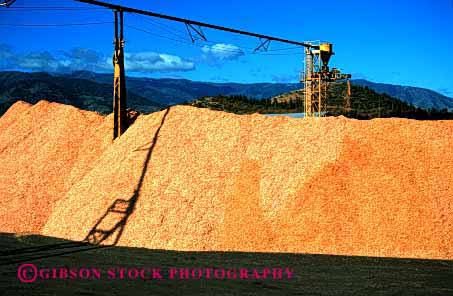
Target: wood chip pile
(196, 179)
(45, 149)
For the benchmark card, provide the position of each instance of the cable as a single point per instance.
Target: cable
(11, 10)
(49, 8)
(171, 30)
(154, 34)
(27, 11)
(56, 7)
(180, 41)
(199, 45)
(285, 48)
(163, 26)
(54, 25)
(167, 30)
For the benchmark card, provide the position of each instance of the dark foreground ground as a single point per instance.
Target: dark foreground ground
(314, 274)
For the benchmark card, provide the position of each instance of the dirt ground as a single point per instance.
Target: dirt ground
(313, 274)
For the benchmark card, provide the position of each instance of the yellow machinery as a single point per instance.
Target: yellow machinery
(316, 77)
(120, 121)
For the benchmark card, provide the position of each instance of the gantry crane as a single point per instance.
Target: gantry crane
(315, 78)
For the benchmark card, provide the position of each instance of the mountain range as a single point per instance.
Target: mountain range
(170, 91)
(93, 91)
(417, 96)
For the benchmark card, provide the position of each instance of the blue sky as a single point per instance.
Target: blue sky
(399, 42)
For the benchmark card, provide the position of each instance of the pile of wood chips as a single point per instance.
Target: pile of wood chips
(196, 179)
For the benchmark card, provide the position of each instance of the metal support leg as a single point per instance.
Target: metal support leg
(119, 80)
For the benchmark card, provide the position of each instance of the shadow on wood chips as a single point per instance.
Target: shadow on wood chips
(122, 209)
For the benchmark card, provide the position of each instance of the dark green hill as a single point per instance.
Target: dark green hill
(82, 93)
(364, 104)
(419, 97)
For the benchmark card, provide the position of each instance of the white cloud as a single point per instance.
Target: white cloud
(38, 60)
(87, 59)
(156, 62)
(222, 51)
